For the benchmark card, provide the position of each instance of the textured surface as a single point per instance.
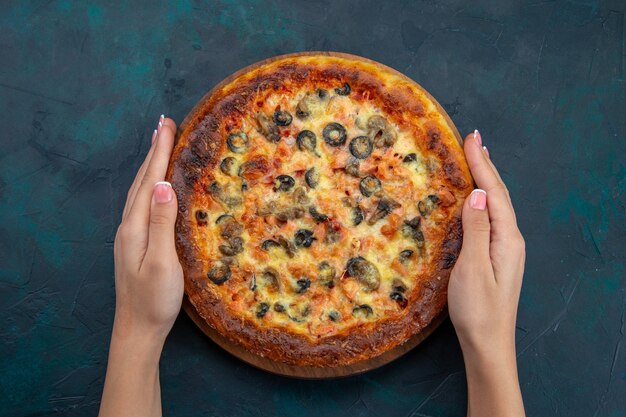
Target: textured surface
(81, 88)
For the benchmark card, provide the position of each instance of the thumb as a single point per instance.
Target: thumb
(163, 210)
(476, 226)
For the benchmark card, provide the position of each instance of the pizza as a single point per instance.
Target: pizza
(319, 208)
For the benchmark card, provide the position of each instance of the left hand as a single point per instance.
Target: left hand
(148, 275)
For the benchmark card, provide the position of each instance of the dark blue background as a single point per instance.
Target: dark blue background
(83, 83)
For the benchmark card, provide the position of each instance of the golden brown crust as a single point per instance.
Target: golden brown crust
(201, 144)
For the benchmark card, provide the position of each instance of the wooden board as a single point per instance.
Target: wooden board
(308, 372)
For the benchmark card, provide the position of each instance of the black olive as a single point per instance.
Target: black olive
(270, 276)
(411, 228)
(319, 217)
(237, 142)
(384, 207)
(406, 255)
(289, 248)
(262, 310)
(427, 205)
(357, 215)
(304, 237)
(244, 186)
(352, 168)
(398, 285)
(229, 166)
(303, 285)
(363, 271)
(279, 308)
(312, 177)
(369, 185)
(219, 274)
(322, 93)
(284, 183)
(363, 309)
(215, 188)
(361, 147)
(202, 217)
(334, 134)
(224, 218)
(306, 140)
(399, 298)
(269, 244)
(410, 158)
(326, 274)
(333, 315)
(343, 91)
(282, 118)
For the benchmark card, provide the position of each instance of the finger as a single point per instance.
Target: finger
(132, 191)
(163, 210)
(500, 210)
(155, 172)
(478, 137)
(476, 228)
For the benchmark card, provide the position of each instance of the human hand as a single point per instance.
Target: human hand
(148, 275)
(484, 289)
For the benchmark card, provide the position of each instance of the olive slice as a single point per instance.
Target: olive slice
(219, 274)
(399, 298)
(361, 147)
(334, 134)
(224, 218)
(284, 182)
(202, 217)
(304, 237)
(411, 229)
(384, 207)
(405, 255)
(319, 217)
(364, 271)
(369, 185)
(398, 285)
(326, 274)
(269, 244)
(289, 248)
(410, 158)
(282, 118)
(427, 205)
(270, 276)
(237, 142)
(306, 140)
(333, 315)
(303, 285)
(262, 310)
(343, 91)
(279, 308)
(229, 166)
(357, 215)
(312, 177)
(363, 309)
(322, 93)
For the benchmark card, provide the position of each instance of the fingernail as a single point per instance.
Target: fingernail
(486, 151)
(477, 136)
(478, 199)
(154, 134)
(161, 118)
(163, 192)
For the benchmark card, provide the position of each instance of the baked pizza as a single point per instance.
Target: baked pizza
(319, 208)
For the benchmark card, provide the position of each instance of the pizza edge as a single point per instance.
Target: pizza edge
(343, 348)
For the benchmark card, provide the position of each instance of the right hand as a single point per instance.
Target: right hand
(485, 283)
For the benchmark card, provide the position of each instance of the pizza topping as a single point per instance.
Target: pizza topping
(220, 273)
(270, 276)
(284, 183)
(321, 93)
(262, 310)
(304, 237)
(299, 316)
(332, 232)
(364, 271)
(289, 248)
(282, 118)
(289, 214)
(202, 217)
(343, 91)
(412, 229)
(334, 134)
(253, 282)
(357, 215)
(303, 284)
(279, 308)
(363, 310)
(312, 177)
(234, 247)
(267, 128)
(381, 133)
(222, 195)
(229, 227)
(427, 205)
(237, 142)
(361, 147)
(269, 244)
(299, 196)
(369, 185)
(399, 298)
(446, 198)
(326, 274)
(333, 315)
(229, 166)
(303, 108)
(317, 216)
(254, 168)
(405, 255)
(410, 158)
(307, 141)
(352, 168)
(384, 207)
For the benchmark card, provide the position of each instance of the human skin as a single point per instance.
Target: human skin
(483, 291)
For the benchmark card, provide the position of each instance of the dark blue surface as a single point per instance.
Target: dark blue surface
(83, 83)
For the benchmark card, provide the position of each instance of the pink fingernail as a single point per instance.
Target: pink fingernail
(478, 199)
(154, 134)
(163, 192)
(486, 151)
(477, 136)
